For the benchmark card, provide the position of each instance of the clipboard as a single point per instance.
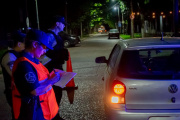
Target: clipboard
(65, 77)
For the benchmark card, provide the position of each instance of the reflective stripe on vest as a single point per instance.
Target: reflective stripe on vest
(49, 105)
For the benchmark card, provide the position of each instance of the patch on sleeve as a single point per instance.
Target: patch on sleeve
(30, 77)
(10, 64)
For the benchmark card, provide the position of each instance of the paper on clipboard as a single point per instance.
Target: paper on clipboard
(65, 78)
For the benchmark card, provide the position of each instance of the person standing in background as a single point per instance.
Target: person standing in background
(60, 54)
(7, 61)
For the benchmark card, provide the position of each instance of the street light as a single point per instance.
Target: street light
(117, 5)
(119, 22)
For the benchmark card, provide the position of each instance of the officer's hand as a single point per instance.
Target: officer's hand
(56, 78)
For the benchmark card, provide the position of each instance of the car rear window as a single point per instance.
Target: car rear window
(150, 64)
(114, 30)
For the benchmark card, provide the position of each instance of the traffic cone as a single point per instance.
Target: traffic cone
(69, 69)
(70, 86)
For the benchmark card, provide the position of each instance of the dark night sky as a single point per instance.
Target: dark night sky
(47, 8)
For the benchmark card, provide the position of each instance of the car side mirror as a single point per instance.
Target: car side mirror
(101, 59)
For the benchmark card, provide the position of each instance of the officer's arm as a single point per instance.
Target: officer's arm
(8, 61)
(45, 85)
(26, 80)
(41, 89)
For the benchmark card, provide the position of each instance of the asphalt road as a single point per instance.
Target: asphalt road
(88, 99)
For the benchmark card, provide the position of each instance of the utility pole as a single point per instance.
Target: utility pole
(132, 21)
(66, 14)
(37, 16)
(119, 22)
(122, 23)
(81, 30)
(175, 17)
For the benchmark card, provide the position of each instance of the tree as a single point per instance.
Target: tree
(88, 15)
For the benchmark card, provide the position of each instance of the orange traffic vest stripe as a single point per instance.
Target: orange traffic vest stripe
(49, 105)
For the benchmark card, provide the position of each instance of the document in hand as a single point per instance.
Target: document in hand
(65, 77)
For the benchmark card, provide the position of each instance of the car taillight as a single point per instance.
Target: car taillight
(119, 90)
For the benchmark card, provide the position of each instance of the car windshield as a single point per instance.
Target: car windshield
(150, 64)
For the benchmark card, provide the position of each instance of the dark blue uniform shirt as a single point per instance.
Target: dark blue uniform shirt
(25, 76)
(26, 80)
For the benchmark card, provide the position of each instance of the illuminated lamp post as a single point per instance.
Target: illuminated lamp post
(117, 6)
(154, 17)
(161, 22)
(171, 20)
(138, 26)
(119, 22)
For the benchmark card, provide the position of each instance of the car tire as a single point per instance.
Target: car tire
(66, 43)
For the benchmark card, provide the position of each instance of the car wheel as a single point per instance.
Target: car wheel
(66, 43)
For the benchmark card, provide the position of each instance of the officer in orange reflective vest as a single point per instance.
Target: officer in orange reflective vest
(33, 96)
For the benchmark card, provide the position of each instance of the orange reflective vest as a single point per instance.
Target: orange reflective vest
(49, 105)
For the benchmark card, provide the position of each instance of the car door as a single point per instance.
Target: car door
(110, 70)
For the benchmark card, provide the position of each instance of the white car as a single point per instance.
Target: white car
(142, 80)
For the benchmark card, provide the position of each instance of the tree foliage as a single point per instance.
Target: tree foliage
(92, 13)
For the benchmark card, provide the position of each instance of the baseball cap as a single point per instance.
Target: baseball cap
(59, 19)
(15, 37)
(40, 36)
(18, 36)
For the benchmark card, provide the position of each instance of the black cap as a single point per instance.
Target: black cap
(40, 36)
(59, 19)
(15, 37)
(18, 36)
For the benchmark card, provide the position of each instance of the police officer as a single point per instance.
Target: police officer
(60, 54)
(7, 60)
(33, 96)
